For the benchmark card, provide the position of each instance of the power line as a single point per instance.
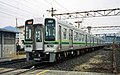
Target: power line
(6, 13)
(14, 7)
(48, 2)
(35, 4)
(63, 7)
(13, 12)
(29, 7)
(60, 5)
(11, 15)
(23, 4)
(52, 6)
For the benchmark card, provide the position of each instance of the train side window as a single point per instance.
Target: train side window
(65, 33)
(76, 36)
(80, 37)
(83, 37)
(70, 34)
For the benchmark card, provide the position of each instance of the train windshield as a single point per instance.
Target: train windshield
(38, 33)
(28, 32)
(49, 29)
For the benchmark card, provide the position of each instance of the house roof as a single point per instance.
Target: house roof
(4, 30)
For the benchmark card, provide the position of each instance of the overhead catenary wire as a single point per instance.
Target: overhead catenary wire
(60, 5)
(13, 12)
(33, 4)
(53, 6)
(29, 7)
(63, 7)
(10, 14)
(38, 7)
(15, 7)
(23, 4)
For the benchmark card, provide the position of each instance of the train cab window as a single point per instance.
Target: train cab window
(28, 34)
(38, 34)
(65, 33)
(49, 29)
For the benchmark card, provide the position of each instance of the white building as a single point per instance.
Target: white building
(20, 36)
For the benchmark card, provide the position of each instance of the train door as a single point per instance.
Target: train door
(71, 38)
(93, 41)
(90, 41)
(38, 37)
(86, 40)
(60, 38)
(0, 45)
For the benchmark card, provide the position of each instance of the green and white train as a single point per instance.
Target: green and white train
(50, 39)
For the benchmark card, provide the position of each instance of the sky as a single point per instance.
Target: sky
(27, 9)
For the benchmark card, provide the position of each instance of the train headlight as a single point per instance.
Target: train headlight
(47, 53)
(33, 51)
(38, 55)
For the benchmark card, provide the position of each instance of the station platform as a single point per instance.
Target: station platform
(15, 57)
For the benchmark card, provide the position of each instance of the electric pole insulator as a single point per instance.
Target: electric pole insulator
(52, 11)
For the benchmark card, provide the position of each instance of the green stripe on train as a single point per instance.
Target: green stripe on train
(63, 42)
(57, 42)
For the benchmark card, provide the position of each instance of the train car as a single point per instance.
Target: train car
(50, 39)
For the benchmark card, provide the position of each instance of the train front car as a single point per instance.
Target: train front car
(28, 39)
(43, 40)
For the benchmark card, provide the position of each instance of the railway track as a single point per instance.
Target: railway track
(15, 71)
(98, 61)
(24, 69)
(12, 61)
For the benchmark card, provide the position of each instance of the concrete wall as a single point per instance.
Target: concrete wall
(7, 46)
(9, 51)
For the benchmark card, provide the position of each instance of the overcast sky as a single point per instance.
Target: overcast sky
(26, 9)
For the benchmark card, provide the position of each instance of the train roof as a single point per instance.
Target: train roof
(73, 27)
(40, 20)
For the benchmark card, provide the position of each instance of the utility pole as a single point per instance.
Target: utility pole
(89, 29)
(78, 22)
(16, 22)
(52, 11)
